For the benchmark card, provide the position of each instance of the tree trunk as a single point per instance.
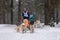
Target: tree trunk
(3, 18)
(11, 11)
(57, 16)
(49, 11)
(19, 11)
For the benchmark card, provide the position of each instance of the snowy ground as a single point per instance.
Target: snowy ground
(7, 32)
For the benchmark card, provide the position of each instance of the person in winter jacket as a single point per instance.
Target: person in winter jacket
(32, 18)
(25, 14)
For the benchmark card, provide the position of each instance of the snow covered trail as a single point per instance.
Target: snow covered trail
(7, 32)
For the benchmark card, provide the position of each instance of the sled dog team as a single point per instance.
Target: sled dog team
(26, 25)
(28, 22)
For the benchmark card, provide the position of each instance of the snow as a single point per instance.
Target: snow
(8, 32)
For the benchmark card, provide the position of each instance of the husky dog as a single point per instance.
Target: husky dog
(21, 27)
(37, 24)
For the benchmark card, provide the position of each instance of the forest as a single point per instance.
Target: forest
(10, 10)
